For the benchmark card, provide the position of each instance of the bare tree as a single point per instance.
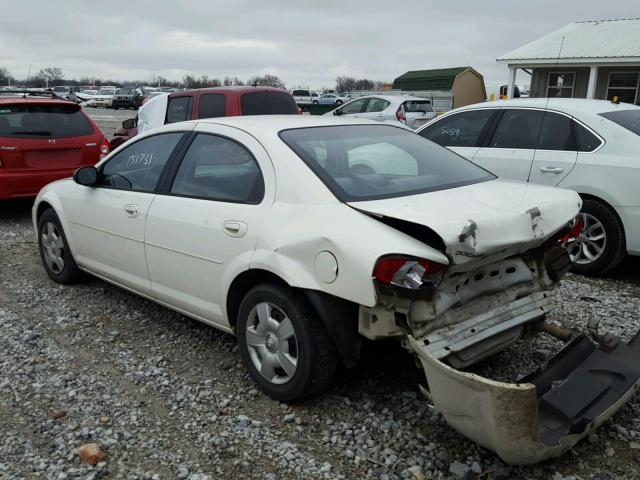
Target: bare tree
(5, 77)
(232, 81)
(266, 81)
(50, 75)
(191, 81)
(347, 84)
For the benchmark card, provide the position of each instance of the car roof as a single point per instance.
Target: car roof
(392, 98)
(234, 89)
(32, 99)
(575, 106)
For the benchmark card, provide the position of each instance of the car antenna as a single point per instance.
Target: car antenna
(544, 112)
(26, 84)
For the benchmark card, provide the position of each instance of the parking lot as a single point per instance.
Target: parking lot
(108, 119)
(167, 397)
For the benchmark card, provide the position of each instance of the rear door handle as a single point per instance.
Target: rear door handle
(551, 169)
(131, 210)
(235, 228)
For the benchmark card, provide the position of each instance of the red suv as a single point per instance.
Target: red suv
(43, 138)
(217, 102)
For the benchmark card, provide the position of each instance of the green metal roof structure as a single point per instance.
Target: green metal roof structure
(440, 79)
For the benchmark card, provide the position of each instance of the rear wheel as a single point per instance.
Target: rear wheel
(54, 250)
(601, 245)
(283, 344)
(338, 102)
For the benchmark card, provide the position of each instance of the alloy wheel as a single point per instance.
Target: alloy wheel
(53, 247)
(272, 343)
(590, 244)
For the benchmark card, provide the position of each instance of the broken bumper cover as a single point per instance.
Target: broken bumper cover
(550, 410)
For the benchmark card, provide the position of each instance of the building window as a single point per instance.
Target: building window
(561, 84)
(623, 85)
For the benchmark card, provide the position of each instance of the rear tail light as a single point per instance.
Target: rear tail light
(400, 115)
(104, 147)
(576, 225)
(407, 272)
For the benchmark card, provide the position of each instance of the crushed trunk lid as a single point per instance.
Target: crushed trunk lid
(549, 410)
(481, 219)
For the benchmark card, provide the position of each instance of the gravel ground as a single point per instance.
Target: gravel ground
(108, 119)
(166, 397)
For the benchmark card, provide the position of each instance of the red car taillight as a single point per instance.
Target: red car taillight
(104, 147)
(577, 224)
(400, 115)
(407, 272)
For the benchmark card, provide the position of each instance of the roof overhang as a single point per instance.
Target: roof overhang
(546, 62)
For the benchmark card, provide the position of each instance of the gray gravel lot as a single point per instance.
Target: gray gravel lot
(166, 397)
(108, 119)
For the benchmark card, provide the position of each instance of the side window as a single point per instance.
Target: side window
(518, 129)
(139, 165)
(556, 133)
(217, 168)
(179, 109)
(357, 106)
(377, 105)
(586, 141)
(212, 105)
(459, 130)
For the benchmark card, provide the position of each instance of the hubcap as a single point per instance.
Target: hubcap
(272, 343)
(590, 244)
(53, 247)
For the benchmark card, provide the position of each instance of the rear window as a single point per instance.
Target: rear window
(37, 121)
(268, 103)
(629, 119)
(179, 109)
(301, 93)
(369, 162)
(212, 105)
(418, 106)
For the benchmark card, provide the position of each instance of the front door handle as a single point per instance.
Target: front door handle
(131, 210)
(551, 169)
(235, 228)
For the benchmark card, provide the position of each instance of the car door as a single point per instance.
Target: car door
(460, 132)
(202, 230)
(108, 220)
(375, 110)
(557, 151)
(510, 150)
(352, 109)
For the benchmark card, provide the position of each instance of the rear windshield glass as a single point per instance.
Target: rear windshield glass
(417, 106)
(301, 93)
(369, 162)
(37, 121)
(268, 103)
(629, 119)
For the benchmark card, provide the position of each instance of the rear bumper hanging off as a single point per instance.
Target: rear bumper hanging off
(549, 410)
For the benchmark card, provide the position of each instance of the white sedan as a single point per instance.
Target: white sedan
(402, 110)
(590, 146)
(302, 235)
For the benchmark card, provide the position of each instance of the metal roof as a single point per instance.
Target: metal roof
(440, 79)
(586, 41)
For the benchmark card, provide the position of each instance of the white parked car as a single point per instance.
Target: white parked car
(590, 146)
(331, 99)
(404, 110)
(103, 98)
(303, 97)
(269, 227)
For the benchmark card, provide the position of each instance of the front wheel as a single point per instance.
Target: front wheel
(283, 344)
(338, 102)
(54, 250)
(601, 245)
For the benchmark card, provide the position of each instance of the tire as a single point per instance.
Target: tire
(308, 352)
(338, 102)
(53, 242)
(315, 102)
(599, 221)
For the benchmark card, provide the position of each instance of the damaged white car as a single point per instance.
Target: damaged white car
(302, 234)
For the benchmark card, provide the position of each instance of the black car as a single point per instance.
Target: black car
(127, 97)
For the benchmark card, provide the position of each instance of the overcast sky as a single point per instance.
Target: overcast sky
(306, 43)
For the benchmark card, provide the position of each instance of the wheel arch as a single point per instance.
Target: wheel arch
(339, 316)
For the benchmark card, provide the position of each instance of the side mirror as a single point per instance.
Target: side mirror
(129, 123)
(338, 111)
(86, 176)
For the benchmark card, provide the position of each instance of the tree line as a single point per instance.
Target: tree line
(52, 76)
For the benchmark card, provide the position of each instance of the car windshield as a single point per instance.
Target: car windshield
(629, 119)
(370, 162)
(37, 121)
(105, 92)
(60, 89)
(125, 91)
